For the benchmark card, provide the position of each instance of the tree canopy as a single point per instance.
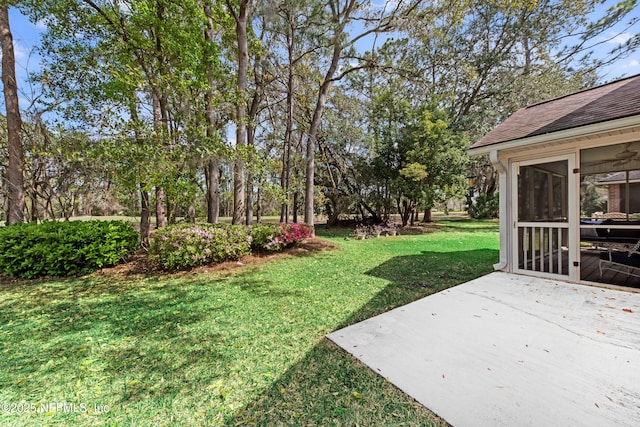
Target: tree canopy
(345, 108)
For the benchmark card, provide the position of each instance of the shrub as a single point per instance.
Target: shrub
(265, 237)
(294, 232)
(275, 237)
(485, 206)
(64, 248)
(185, 246)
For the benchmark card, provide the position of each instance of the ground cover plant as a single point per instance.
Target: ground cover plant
(236, 347)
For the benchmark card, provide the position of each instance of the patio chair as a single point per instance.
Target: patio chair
(625, 262)
(615, 215)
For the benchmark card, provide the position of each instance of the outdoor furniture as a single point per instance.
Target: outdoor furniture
(625, 262)
(603, 234)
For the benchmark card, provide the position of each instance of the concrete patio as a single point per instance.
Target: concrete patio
(511, 350)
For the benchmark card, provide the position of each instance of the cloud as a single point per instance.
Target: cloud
(26, 61)
(381, 5)
(634, 63)
(19, 51)
(619, 39)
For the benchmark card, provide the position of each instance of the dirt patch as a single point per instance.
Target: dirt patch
(140, 264)
(422, 228)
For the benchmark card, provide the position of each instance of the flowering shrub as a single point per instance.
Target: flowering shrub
(188, 245)
(185, 246)
(265, 237)
(294, 232)
(275, 237)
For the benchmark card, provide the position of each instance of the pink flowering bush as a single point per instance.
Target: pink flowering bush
(294, 232)
(275, 237)
(185, 246)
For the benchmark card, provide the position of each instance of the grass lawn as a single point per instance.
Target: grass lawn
(239, 347)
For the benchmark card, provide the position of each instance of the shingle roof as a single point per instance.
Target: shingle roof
(611, 101)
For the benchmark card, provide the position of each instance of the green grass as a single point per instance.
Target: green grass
(238, 348)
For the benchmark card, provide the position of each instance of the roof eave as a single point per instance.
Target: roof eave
(559, 136)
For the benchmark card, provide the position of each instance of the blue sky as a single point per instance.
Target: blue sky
(26, 35)
(620, 34)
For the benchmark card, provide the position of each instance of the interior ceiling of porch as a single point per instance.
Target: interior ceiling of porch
(610, 158)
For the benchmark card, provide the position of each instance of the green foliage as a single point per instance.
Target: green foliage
(64, 248)
(485, 206)
(263, 236)
(420, 155)
(184, 246)
(592, 196)
(381, 146)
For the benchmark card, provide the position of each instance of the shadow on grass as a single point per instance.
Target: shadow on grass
(264, 288)
(70, 322)
(468, 225)
(413, 277)
(329, 387)
(465, 225)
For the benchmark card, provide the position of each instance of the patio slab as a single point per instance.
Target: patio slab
(511, 350)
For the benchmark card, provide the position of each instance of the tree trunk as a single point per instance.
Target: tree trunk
(171, 209)
(427, 215)
(211, 170)
(309, 185)
(249, 210)
(295, 206)
(333, 211)
(34, 207)
(212, 176)
(405, 211)
(288, 133)
(251, 133)
(33, 193)
(315, 124)
(161, 219)
(160, 118)
(144, 216)
(259, 205)
(241, 17)
(15, 166)
(160, 129)
(144, 194)
(49, 207)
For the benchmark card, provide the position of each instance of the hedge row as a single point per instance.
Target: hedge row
(79, 247)
(189, 245)
(64, 248)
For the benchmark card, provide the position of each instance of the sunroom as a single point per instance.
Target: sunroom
(570, 186)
